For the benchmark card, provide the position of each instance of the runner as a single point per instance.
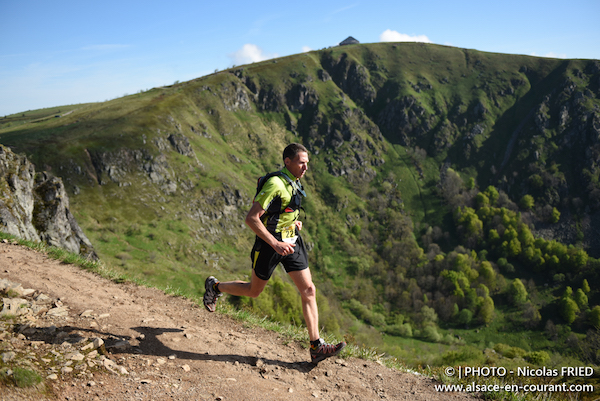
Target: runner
(274, 219)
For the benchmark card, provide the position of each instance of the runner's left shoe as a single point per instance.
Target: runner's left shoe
(211, 295)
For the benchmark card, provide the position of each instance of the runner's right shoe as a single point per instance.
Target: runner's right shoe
(211, 295)
(324, 350)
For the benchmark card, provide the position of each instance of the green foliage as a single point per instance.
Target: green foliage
(580, 298)
(400, 330)
(430, 333)
(555, 217)
(492, 193)
(281, 302)
(539, 358)
(482, 200)
(510, 352)
(585, 286)
(464, 317)
(517, 292)
(527, 202)
(486, 312)
(595, 317)
(568, 309)
(428, 315)
(466, 355)
(367, 315)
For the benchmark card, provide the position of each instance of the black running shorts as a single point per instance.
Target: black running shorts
(265, 259)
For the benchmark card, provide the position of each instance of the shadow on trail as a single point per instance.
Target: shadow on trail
(152, 345)
(155, 347)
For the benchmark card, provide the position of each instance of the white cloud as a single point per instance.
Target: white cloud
(306, 49)
(250, 53)
(393, 36)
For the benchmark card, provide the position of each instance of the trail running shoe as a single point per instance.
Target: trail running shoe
(323, 350)
(211, 295)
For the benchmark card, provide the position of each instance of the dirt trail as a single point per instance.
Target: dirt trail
(179, 351)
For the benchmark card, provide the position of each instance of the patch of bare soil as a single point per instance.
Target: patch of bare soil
(176, 350)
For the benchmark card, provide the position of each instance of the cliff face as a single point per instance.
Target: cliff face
(34, 206)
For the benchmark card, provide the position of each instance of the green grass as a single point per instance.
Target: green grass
(20, 377)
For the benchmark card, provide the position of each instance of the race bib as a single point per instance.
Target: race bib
(288, 234)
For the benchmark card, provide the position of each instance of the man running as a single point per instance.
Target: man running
(274, 219)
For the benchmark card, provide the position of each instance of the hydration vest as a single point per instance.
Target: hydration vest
(271, 215)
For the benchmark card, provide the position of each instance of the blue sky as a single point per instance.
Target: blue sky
(66, 52)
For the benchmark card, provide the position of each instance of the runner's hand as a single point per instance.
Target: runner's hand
(284, 248)
(299, 225)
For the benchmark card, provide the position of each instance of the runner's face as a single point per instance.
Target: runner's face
(298, 165)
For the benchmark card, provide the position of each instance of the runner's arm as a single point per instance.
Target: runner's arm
(253, 221)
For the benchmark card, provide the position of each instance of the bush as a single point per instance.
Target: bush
(465, 316)
(406, 330)
(466, 355)
(501, 348)
(509, 352)
(430, 333)
(537, 357)
(399, 330)
(515, 352)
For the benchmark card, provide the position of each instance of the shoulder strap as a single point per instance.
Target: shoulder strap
(261, 180)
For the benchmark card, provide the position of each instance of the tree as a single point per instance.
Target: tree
(580, 298)
(568, 292)
(464, 317)
(513, 248)
(486, 271)
(493, 236)
(517, 292)
(595, 317)
(527, 202)
(492, 194)
(428, 315)
(585, 286)
(525, 235)
(482, 200)
(578, 258)
(568, 310)
(486, 313)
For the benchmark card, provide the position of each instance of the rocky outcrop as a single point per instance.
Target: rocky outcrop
(403, 120)
(117, 166)
(302, 96)
(270, 99)
(352, 78)
(235, 97)
(35, 206)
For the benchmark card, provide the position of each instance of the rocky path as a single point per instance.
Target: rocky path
(93, 339)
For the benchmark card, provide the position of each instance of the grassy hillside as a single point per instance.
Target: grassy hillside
(407, 141)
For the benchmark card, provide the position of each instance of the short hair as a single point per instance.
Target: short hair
(292, 150)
